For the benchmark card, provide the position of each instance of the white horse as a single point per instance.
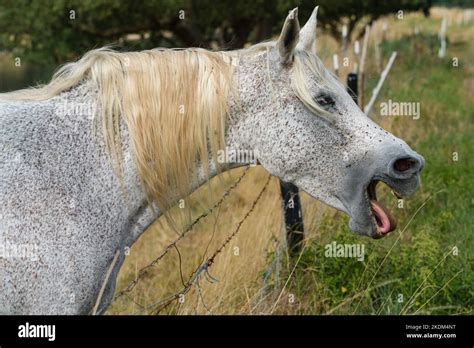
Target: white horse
(90, 160)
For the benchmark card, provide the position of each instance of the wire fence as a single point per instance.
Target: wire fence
(155, 307)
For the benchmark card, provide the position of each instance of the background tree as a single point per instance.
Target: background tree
(351, 12)
(54, 31)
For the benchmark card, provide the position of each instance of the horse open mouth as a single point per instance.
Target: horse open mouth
(381, 215)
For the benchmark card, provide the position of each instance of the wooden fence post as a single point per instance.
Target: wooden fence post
(378, 53)
(356, 56)
(377, 88)
(293, 216)
(361, 76)
(442, 38)
(344, 39)
(384, 31)
(335, 64)
(352, 86)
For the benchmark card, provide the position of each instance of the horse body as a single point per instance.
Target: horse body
(61, 192)
(58, 193)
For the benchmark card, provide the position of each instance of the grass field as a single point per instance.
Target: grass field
(425, 266)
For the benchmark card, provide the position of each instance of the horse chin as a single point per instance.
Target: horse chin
(364, 229)
(357, 207)
(368, 216)
(371, 218)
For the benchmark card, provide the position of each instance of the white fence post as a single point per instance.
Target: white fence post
(376, 91)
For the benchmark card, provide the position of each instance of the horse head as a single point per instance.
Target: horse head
(307, 130)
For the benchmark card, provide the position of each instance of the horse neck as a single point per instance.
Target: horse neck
(140, 214)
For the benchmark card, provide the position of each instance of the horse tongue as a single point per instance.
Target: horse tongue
(385, 221)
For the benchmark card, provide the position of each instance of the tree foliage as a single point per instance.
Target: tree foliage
(55, 31)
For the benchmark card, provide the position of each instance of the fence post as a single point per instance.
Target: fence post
(378, 53)
(293, 217)
(376, 91)
(356, 56)
(344, 39)
(361, 71)
(352, 88)
(335, 63)
(442, 38)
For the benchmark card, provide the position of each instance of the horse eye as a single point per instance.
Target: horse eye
(325, 100)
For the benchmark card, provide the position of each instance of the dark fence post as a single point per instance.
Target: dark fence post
(352, 81)
(293, 217)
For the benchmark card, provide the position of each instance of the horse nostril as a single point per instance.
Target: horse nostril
(407, 165)
(404, 164)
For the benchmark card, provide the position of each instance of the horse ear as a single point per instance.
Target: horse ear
(308, 33)
(289, 37)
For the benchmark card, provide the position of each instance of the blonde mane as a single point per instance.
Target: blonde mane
(174, 104)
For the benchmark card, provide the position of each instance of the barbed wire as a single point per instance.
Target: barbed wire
(144, 270)
(204, 267)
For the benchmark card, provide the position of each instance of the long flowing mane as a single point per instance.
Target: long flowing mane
(174, 104)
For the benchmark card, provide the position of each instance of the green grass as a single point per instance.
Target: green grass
(414, 270)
